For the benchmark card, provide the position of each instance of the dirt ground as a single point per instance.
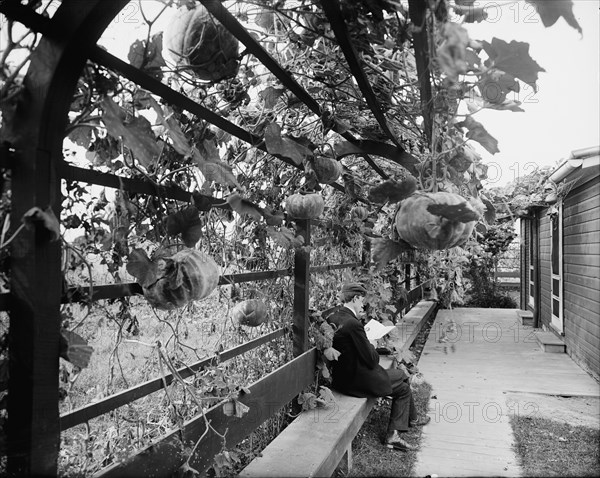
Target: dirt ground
(577, 411)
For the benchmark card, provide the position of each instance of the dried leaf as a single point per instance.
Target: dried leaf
(240, 409)
(75, 349)
(136, 132)
(513, 58)
(46, 218)
(392, 191)
(331, 354)
(326, 394)
(142, 268)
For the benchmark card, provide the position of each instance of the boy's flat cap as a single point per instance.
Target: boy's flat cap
(353, 288)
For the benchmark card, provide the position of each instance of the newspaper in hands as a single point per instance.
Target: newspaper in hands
(375, 330)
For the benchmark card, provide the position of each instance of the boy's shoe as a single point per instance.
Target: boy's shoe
(395, 442)
(419, 422)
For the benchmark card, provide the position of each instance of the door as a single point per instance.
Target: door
(556, 267)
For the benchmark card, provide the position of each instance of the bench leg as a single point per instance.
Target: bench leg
(346, 463)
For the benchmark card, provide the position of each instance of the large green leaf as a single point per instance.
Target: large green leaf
(283, 146)
(513, 58)
(141, 267)
(551, 10)
(187, 223)
(75, 349)
(478, 133)
(136, 132)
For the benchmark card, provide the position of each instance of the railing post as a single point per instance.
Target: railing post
(301, 290)
(407, 277)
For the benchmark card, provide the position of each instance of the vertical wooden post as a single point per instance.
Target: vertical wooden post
(407, 277)
(36, 132)
(301, 290)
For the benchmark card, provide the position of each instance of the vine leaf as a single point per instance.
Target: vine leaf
(187, 223)
(494, 85)
(147, 56)
(172, 128)
(273, 218)
(452, 54)
(142, 268)
(550, 12)
(513, 58)
(44, 217)
(490, 211)
(243, 206)
(201, 201)
(478, 133)
(206, 157)
(393, 191)
(270, 95)
(384, 250)
(75, 349)
(285, 237)
(136, 132)
(285, 147)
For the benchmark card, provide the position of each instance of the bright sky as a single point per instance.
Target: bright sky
(563, 115)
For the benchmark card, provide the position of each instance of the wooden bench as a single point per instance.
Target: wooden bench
(317, 440)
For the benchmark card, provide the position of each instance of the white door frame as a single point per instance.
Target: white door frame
(556, 276)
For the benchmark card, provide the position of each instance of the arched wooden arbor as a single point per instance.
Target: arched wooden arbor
(33, 152)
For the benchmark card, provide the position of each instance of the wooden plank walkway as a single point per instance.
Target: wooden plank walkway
(474, 359)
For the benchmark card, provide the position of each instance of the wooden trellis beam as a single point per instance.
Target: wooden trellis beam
(255, 48)
(417, 10)
(338, 24)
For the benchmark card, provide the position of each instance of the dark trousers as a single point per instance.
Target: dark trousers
(403, 405)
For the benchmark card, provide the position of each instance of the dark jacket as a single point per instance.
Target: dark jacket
(357, 371)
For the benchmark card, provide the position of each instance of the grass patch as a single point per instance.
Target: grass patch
(550, 448)
(371, 457)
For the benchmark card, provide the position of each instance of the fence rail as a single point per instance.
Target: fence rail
(125, 397)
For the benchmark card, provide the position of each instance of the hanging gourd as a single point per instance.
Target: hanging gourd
(304, 205)
(437, 220)
(194, 39)
(251, 312)
(327, 170)
(186, 276)
(359, 213)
